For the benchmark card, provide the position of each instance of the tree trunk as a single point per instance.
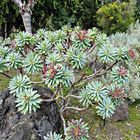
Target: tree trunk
(26, 17)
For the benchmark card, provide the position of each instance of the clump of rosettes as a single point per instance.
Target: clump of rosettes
(77, 130)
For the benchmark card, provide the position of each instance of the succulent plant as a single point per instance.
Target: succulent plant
(97, 90)
(63, 58)
(117, 93)
(106, 54)
(41, 34)
(58, 74)
(121, 53)
(101, 39)
(32, 63)
(52, 37)
(3, 51)
(54, 58)
(43, 47)
(2, 65)
(24, 38)
(77, 130)
(61, 36)
(13, 60)
(85, 97)
(119, 75)
(28, 100)
(81, 40)
(19, 83)
(77, 58)
(53, 136)
(106, 108)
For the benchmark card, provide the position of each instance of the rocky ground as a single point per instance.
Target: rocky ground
(15, 126)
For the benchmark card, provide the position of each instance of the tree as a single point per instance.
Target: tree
(25, 11)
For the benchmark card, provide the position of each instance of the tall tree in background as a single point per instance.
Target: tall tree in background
(26, 12)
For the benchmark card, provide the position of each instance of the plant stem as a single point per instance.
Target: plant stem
(104, 122)
(6, 75)
(64, 123)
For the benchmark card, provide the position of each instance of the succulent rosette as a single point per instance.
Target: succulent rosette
(28, 100)
(77, 130)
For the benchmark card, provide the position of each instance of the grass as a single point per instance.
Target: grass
(123, 130)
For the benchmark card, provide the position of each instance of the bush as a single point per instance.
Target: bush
(114, 17)
(130, 40)
(62, 61)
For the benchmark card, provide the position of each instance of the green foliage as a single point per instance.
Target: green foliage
(9, 16)
(77, 130)
(13, 60)
(19, 83)
(53, 136)
(28, 100)
(3, 51)
(2, 65)
(106, 54)
(58, 75)
(64, 67)
(81, 40)
(96, 90)
(23, 38)
(43, 47)
(54, 58)
(32, 63)
(76, 57)
(119, 75)
(49, 14)
(101, 39)
(116, 92)
(85, 97)
(114, 17)
(106, 108)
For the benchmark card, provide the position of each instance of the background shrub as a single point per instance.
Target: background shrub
(115, 17)
(54, 14)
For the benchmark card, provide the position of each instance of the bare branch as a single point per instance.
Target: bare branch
(39, 82)
(64, 123)
(93, 75)
(91, 50)
(77, 97)
(50, 100)
(74, 108)
(81, 78)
